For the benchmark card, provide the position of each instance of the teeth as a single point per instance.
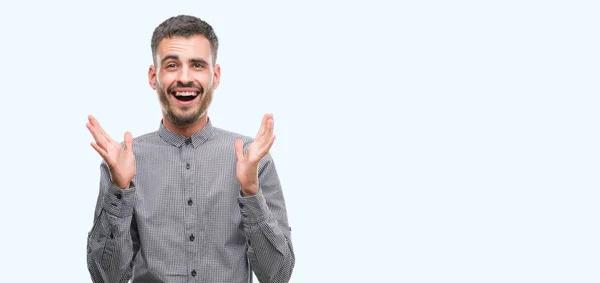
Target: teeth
(185, 93)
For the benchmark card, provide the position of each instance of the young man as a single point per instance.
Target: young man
(189, 202)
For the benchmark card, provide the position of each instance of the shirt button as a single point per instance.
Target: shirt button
(118, 196)
(188, 166)
(194, 273)
(192, 237)
(188, 141)
(190, 202)
(241, 205)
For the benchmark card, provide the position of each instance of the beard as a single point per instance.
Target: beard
(182, 116)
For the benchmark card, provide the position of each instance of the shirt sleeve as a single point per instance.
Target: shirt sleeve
(113, 241)
(268, 233)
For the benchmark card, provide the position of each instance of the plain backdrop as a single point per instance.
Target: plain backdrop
(417, 141)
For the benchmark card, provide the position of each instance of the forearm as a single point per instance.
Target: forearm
(270, 248)
(111, 244)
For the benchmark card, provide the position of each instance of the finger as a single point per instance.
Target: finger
(239, 149)
(271, 126)
(97, 135)
(268, 133)
(267, 128)
(128, 142)
(100, 151)
(264, 146)
(263, 127)
(97, 125)
(267, 145)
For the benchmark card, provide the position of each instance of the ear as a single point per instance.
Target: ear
(152, 77)
(216, 76)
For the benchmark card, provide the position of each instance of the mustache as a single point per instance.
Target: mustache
(188, 85)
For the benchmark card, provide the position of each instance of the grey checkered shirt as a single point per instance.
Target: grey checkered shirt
(184, 219)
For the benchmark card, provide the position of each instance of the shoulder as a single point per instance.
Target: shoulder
(148, 143)
(151, 137)
(228, 137)
(148, 140)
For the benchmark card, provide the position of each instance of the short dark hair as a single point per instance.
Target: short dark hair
(185, 25)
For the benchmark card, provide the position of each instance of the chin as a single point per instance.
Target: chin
(181, 119)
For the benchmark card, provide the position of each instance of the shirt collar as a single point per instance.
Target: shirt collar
(178, 140)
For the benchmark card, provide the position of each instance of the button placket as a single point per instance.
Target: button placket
(191, 214)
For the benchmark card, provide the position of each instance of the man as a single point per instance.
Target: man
(189, 202)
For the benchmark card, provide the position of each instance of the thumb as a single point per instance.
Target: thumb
(128, 142)
(239, 149)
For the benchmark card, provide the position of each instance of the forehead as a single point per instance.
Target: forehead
(196, 46)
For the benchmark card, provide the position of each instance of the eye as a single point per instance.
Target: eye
(198, 65)
(171, 65)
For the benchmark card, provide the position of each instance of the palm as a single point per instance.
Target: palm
(247, 164)
(121, 161)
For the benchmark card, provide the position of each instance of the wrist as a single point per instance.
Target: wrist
(122, 185)
(250, 190)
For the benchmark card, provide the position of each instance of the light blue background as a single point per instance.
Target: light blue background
(421, 141)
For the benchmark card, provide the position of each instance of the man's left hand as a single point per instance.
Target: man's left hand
(247, 164)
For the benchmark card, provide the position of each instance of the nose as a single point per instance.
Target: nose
(185, 75)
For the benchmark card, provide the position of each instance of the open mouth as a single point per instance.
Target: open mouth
(185, 95)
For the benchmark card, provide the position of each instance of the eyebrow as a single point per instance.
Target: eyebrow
(193, 60)
(169, 57)
(199, 60)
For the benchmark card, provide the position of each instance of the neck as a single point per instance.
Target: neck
(189, 130)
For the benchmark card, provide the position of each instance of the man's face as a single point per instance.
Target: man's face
(184, 77)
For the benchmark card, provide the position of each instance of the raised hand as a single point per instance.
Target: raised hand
(120, 161)
(247, 164)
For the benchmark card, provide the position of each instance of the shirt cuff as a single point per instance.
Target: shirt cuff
(119, 202)
(254, 208)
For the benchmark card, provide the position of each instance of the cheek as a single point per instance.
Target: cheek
(163, 81)
(205, 79)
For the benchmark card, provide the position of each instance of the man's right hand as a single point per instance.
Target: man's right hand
(121, 161)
